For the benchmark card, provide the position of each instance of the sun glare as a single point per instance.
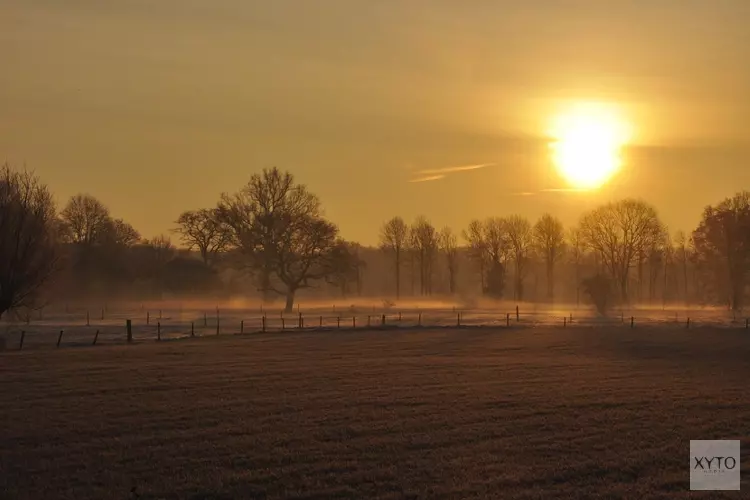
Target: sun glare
(587, 140)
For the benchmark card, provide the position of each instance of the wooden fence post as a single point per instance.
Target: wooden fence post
(458, 319)
(419, 319)
(687, 324)
(382, 320)
(338, 321)
(507, 319)
(59, 338)
(23, 334)
(96, 336)
(300, 318)
(192, 328)
(354, 322)
(632, 321)
(242, 326)
(565, 322)
(263, 323)
(368, 321)
(321, 322)
(129, 329)
(399, 316)
(205, 319)
(282, 323)
(148, 317)
(518, 314)
(158, 330)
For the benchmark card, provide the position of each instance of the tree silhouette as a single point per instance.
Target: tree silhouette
(424, 241)
(394, 241)
(28, 239)
(86, 220)
(203, 230)
(722, 248)
(619, 232)
(549, 239)
(449, 246)
(520, 237)
(279, 227)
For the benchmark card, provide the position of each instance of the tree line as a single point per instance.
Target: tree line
(271, 239)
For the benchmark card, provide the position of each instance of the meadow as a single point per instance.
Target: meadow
(496, 412)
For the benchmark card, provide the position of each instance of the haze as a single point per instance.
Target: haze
(158, 107)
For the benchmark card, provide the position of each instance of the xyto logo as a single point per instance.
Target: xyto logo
(714, 464)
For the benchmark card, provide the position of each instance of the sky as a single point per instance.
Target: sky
(156, 107)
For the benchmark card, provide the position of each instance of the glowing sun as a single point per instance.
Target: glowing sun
(587, 144)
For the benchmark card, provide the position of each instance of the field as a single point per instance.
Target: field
(546, 412)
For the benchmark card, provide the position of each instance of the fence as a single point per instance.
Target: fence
(81, 327)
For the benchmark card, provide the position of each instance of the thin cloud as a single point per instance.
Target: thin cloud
(450, 170)
(427, 178)
(433, 174)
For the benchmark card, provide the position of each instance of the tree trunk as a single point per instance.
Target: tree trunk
(290, 300)
(398, 276)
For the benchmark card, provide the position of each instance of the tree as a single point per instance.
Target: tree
(85, 219)
(519, 236)
(549, 239)
(394, 237)
(488, 247)
(599, 290)
(279, 228)
(203, 230)
(577, 250)
(120, 233)
(346, 267)
(424, 240)
(449, 246)
(682, 257)
(619, 232)
(722, 248)
(28, 239)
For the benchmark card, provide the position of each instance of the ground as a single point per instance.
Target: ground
(546, 412)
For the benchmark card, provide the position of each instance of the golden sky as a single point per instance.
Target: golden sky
(158, 106)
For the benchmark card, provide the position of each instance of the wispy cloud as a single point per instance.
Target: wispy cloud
(433, 174)
(427, 178)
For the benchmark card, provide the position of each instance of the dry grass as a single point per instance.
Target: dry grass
(530, 413)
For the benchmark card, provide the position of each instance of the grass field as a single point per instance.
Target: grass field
(444, 413)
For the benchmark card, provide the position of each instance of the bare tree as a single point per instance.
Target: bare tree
(682, 257)
(449, 246)
(203, 230)
(120, 233)
(519, 235)
(619, 232)
(279, 227)
(346, 267)
(394, 240)
(722, 248)
(424, 240)
(577, 248)
(549, 239)
(28, 239)
(489, 247)
(474, 236)
(85, 219)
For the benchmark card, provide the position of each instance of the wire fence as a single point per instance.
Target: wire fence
(82, 327)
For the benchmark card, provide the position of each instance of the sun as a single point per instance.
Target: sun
(587, 142)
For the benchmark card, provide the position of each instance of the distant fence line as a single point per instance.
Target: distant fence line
(159, 327)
